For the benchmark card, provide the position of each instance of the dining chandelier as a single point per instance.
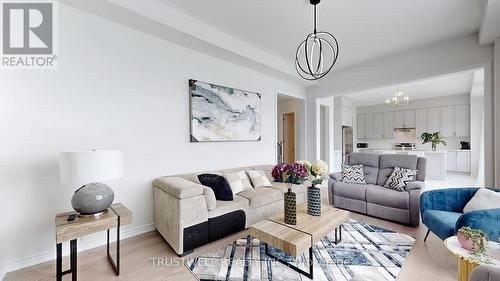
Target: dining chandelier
(317, 54)
(398, 98)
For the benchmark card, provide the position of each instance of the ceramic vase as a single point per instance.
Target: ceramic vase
(314, 201)
(290, 206)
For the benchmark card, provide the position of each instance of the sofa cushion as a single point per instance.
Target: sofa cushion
(258, 178)
(224, 207)
(261, 196)
(238, 181)
(352, 191)
(442, 223)
(218, 184)
(387, 197)
(389, 161)
(268, 169)
(483, 199)
(297, 188)
(370, 162)
(399, 178)
(209, 195)
(353, 174)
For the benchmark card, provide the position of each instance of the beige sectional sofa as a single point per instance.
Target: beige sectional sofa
(187, 214)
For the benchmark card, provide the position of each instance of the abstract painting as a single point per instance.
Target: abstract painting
(220, 113)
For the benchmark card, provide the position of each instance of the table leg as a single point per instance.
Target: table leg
(73, 265)
(116, 266)
(59, 262)
(338, 234)
(72, 261)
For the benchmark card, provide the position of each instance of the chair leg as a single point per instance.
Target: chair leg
(427, 234)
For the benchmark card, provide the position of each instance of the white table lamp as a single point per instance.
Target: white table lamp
(89, 168)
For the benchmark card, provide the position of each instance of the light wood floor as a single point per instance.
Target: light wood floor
(428, 261)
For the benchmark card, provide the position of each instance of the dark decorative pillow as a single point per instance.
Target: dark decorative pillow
(219, 185)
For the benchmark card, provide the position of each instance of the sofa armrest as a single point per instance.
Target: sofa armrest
(415, 185)
(336, 176)
(179, 187)
(486, 220)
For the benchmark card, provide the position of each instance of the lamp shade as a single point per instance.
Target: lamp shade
(83, 167)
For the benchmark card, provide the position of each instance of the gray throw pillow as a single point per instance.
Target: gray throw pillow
(399, 178)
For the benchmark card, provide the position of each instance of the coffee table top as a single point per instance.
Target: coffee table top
(491, 256)
(297, 239)
(316, 226)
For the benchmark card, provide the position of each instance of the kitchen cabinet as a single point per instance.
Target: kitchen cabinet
(434, 119)
(458, 161)
(361, 124)
(421, 121)
(451, 161)
(462, 120)
(378, 125)
(399, 119)
(463, 161)
(409, 120)
(370, 124)
(448, 121)
(347, 116)
(389, 125)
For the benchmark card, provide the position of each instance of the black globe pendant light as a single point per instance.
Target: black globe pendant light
(317, 54)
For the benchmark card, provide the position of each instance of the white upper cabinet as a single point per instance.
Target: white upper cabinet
(361, 124)
(379, 120)
(448, 121)
(370, 126)
(434, 120)
(389, 125)
(347, 116)
(409, 118)
(462, 120)
(399, 119)
(421, 121)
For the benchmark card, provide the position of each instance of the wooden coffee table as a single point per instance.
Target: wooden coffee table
(297, 239)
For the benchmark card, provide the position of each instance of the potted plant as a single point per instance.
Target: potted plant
(472, 239)
(434, 138)
(315, 173)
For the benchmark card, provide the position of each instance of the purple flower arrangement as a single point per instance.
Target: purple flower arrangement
(290, 173)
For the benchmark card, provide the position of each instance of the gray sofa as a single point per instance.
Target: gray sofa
(372, 198)
(187, 214)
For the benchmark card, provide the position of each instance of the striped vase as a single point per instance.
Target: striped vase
(290, 206)
(314, 201)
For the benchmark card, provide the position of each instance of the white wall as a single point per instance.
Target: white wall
(497, 109)
(476, 131)
(114, 88)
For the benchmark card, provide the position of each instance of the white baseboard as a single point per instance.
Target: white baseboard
(85, 245)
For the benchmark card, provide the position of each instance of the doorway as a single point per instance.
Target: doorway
(290, 123)
(288, 137)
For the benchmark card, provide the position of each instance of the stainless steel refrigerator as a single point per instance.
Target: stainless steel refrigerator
(347, 145)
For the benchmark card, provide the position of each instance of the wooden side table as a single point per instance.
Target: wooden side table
(468, 260)
(116, 216)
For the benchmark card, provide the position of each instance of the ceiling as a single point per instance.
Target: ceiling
(447, 85)
(366, 29)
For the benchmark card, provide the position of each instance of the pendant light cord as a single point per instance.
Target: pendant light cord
(315, 19)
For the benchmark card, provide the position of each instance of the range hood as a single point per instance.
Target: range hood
(405, 133)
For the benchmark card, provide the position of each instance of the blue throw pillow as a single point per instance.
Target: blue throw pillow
(218, 184)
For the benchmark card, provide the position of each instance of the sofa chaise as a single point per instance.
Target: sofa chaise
(188, 215)
(372, 198)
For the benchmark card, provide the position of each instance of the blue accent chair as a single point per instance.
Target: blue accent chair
(442, 213)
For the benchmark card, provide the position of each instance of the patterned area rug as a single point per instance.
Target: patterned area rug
(366, 252)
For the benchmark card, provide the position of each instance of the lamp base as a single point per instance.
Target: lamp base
(92, 199)
(93, 215)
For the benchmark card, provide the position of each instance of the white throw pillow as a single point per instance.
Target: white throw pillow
(238, 182)
(258, 178)
(483, 199)
(353, 174)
